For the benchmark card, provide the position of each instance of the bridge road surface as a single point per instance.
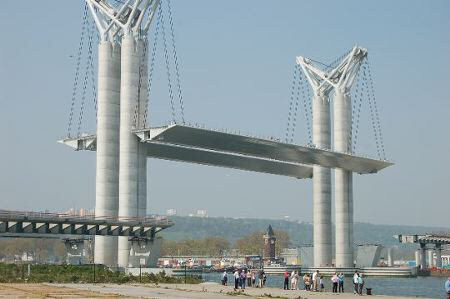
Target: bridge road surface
(170, 291)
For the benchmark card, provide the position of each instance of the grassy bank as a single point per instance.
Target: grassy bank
(17, 273)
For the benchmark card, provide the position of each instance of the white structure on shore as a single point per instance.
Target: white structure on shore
(121, 180)
(340, 79)
(321, 175)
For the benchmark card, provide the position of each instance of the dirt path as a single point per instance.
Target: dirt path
(32, 290)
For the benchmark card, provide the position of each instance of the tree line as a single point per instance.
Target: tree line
(251, 244)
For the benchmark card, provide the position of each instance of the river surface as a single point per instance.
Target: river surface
(420, 287)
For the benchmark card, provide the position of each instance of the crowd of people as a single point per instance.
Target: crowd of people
(244, 277)
(311, 282)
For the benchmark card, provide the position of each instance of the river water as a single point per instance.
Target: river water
(420, 287)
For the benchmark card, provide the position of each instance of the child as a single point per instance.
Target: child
(322, 286)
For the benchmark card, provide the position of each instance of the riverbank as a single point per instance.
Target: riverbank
(201, 291)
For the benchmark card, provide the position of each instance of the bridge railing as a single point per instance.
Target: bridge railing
(46, 216)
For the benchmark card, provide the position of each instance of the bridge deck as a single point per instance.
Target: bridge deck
(202, 146)
(12, 222)
(442, 239)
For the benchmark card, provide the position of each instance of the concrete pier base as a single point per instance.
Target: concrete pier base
(438, 256)
(75, 251)
(430, 261)
(423, 257)
(144, 252)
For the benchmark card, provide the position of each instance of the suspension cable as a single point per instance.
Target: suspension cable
(142, 63)
(291, 103)
(376, 109)
(297, 100)
(175, 57)
(151, 71)
(372, 115)
(307, 109)
(90, 32)
(77, 69)
(358, 105)
(166, 56)
(93, 78)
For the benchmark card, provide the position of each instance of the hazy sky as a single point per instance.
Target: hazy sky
(236, 60)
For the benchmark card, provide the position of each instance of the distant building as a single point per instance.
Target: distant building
(81, 212)
(269, 245)
(171, 212)
(202, 213)
(298, 256)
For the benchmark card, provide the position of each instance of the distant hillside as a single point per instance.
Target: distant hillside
(300, 233)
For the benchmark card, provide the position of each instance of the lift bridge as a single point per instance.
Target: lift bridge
(124, 139)
(215, 148)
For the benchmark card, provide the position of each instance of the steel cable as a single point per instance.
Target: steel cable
(151, 71)
(141, 76)
(77, 69)
(358, 95)
(291, 103)
(166, 56)
(90, 32)
(378, 121)
(372, 116)
(175, 57)
(297, 100)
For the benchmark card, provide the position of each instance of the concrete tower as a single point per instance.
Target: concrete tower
(108, 121)
(133, 100)
(321, 175)
(343, 77)
(121, 161)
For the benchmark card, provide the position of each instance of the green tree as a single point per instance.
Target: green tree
(211, 246)
(254, 243)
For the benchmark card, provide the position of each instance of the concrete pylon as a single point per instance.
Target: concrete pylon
(438, 256)
(430, 258)
(423, 257)
(133, 158)
(322, 184)
(417, 257)
(107, 169)
(390, 257)
(343, 77)
(343, 181)
(321, 175)
(121, 183)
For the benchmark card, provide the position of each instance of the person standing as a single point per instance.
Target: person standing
(341, 282)
(355, 282)
(261, 279)
(286, 281)
(297, 279)
(335, 281)
(360, 284)
(293, 282)
(447, 287)
(224, 278)
(249, 278)
(305, 282)
(236, 279)
(243, 279)
(253, 279)
(315, 279)
(322, 286)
